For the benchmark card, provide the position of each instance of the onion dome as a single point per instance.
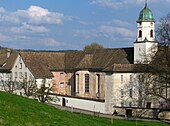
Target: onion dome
(145, 14)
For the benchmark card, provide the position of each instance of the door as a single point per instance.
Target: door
(63, 102)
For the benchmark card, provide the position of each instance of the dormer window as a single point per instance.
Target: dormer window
(3, 64)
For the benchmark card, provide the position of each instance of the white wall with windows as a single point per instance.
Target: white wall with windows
(20, 71)
(122, 89)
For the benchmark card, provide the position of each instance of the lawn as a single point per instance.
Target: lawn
(20, 111)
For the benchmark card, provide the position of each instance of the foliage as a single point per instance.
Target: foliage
(20, 111)
(92, 46)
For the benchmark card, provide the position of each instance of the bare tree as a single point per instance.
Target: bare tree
(135, 90)
(9, 85)
(43, 93)
(92, 46)
(29, 87)
(158, 79)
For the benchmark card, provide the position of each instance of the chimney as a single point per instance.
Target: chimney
(8, 53)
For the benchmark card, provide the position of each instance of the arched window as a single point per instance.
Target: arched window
(151, 33)
(77, 83)
(140, 33)
(97, 83)
(86, 83)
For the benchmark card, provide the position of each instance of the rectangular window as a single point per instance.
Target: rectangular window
(121, 78)
(130, 92)
(3, 75)
(61, 84)
(10, 75)
(77, 83)
(20, 65)
(131, 78)
(86, 82)
(62, 75)
(141, 78)
(121, 91)
(122, 104)
(130, 104)
(148, 105)
(7, 75)
(20, 75)
(16, 74)
(25, 75)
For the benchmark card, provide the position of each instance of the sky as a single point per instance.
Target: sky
(72, 24)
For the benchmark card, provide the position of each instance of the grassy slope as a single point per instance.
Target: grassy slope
(19, 111)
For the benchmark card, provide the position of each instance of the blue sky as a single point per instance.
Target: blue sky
(72, 24)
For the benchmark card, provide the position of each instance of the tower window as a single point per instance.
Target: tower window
(151, 33)
(140, 33)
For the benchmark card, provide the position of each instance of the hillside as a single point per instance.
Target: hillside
(20, 111)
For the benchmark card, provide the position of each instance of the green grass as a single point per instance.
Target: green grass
(20, 111)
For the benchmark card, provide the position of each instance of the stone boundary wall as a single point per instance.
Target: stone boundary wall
(144, 113)
(84, 104)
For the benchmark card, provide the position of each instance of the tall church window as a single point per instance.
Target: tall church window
(151, 33)
(77, 83)
(97, 83)
(86, 83)
(140, 33)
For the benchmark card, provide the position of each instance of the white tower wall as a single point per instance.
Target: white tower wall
(146, 28)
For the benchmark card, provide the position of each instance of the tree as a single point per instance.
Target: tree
(159, 67)
(43, 93)
(92, 46)
(28, 87)
(135, 90)
(9, 85)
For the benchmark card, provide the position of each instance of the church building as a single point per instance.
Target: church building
(94, 80)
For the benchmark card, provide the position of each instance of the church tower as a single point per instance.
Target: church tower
(145, 44)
